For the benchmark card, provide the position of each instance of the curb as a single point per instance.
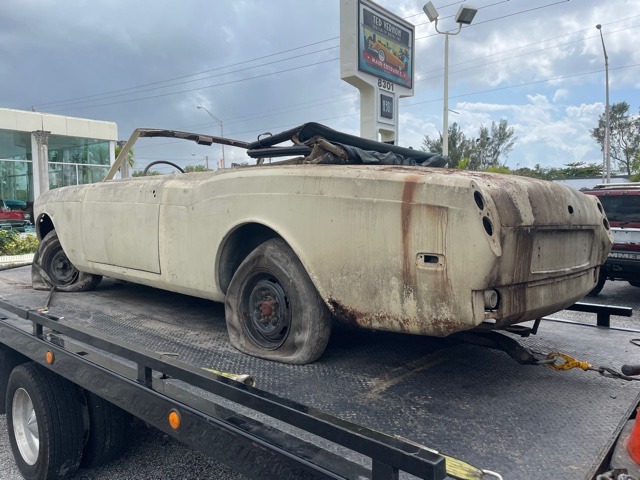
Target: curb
(12, 261)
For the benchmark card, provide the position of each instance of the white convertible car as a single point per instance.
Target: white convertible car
(372, 234)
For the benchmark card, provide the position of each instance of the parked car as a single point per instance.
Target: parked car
(385, 54)
(621, 202)
(14, 215)
(376, 235)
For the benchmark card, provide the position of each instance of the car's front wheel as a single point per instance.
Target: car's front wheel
(52, 268)
(273, 310)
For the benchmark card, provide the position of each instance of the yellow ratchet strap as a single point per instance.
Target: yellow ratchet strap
(246, 379)
(463, 471)
(569, 362)
(457, 468)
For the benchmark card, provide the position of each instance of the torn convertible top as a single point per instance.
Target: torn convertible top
(320, 144)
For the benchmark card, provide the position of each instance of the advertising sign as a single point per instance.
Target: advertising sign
(385, 47)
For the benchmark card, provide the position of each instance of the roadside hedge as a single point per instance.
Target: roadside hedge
(11, 243)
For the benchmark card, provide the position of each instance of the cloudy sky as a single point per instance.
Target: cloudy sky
(267, 66)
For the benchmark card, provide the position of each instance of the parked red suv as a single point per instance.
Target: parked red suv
(13, 215)
(621, 203)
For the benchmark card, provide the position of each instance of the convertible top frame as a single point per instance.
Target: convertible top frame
(304, 138)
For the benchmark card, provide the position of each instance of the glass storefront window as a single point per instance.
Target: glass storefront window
(16, 170)
(74, 160)
(64, 174)
(85, 151)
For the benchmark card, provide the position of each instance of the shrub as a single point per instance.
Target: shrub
(11, 243)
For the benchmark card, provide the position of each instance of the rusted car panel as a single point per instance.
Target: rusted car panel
(421, 250)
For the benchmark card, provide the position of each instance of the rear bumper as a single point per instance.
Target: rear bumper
(528, 301)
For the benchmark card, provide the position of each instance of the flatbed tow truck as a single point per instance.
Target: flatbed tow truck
(377, 405)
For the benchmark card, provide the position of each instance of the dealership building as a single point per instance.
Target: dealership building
(40, 151)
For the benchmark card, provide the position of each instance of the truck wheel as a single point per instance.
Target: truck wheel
(51, 259)
(108, 430)
(599, 286)
(272, 308)
(44, 420)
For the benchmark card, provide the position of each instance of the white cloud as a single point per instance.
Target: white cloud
(560, 94)
(500, 67)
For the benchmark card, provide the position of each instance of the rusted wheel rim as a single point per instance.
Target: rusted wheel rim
(266, 314)
(61, 270)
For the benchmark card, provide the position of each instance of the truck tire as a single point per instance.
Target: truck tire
(272, 308)
(599, 286)
(44, 420)
(108, 430)
(51, 267)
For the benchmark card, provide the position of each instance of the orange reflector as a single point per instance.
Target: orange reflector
(49, 357)
(175, 419)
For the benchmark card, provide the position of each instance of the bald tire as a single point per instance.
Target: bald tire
(49, 257)
(274, 272)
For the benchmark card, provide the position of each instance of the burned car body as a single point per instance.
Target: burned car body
(377, 235)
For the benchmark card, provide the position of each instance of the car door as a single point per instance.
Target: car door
(120, 224)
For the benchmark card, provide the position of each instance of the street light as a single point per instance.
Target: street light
(606, 168)
(206, 159)
(221, 130)
(465, 16)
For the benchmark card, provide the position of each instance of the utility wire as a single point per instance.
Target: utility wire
(412, 104)
(156, 85)
(431, 74)
(194, 74)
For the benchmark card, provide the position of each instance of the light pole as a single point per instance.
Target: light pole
(606, 168)
(463, 17)
(206, 159)
(221, 130)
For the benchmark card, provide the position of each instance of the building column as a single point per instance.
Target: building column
(124, 168)
(40, 156)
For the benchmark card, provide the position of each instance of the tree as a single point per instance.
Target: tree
(493, 145)
(131, 156)
(490, 149)
(196, 168)
(624, 137)
(459, 146)
(139, 173)
(582, 170)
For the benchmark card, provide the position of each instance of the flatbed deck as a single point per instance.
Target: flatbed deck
(469, 402)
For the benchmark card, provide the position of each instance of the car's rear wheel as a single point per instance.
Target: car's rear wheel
(51, 264)
(273, 310)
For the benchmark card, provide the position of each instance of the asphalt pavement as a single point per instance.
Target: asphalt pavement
(153, 454)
